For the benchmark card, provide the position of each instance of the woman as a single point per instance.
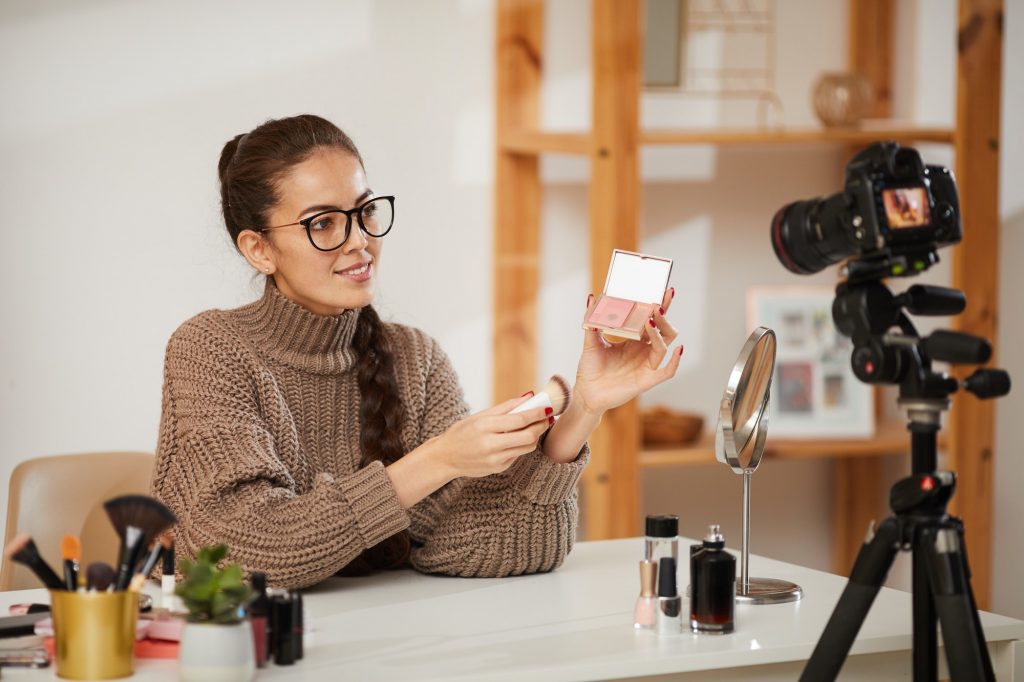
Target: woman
(312, 438)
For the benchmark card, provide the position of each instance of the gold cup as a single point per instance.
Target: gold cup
(94, 633)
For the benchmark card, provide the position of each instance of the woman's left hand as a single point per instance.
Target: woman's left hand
(612, 374)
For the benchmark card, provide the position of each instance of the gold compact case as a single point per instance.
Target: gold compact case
(633, 290)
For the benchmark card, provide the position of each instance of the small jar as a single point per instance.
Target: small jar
(661, 538)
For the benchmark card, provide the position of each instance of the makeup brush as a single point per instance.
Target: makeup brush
(99, 576)
(24, 551)
(71, 550)
(138, 519)
(159, 547)
(555, 395)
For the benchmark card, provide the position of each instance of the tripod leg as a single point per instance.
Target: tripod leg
(869, 570)
(925, 636)
(990, 673)
(966, 652)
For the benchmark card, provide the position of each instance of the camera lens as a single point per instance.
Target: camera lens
(808, 236)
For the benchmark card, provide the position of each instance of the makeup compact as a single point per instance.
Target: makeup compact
(633, 290)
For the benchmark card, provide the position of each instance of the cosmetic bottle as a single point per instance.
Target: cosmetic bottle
(670, 604)
(260, 613)
(647, 602)
(661, 538)
(712, 585)
(282, 617)
(298, 621)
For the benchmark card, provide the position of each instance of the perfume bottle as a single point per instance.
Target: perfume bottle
(647, 602)
(712, 585)
(670, 604)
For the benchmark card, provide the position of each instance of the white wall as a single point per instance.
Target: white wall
(113, 117)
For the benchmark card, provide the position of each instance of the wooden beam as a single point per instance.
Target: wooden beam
(872, 23)
(864, 135)
(611, 480)
(857, 483)
(975, 269)
(517, 196)
(536, 142)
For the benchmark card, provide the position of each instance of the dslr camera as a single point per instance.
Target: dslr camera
(892, 215)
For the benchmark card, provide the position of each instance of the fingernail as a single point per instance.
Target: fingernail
(548, 411)
(673, 290)
(530, 393)
(551, 421)
(651, 321)
(661, 310)
(680, 351)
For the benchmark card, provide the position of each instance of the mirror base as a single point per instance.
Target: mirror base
(768, 591)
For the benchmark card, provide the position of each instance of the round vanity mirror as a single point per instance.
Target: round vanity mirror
(739, 443)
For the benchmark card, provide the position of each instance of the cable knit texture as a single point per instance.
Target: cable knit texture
(259, 449)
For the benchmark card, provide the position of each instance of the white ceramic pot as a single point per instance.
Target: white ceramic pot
(220, 653)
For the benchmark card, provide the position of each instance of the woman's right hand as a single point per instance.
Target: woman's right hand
(490, 441)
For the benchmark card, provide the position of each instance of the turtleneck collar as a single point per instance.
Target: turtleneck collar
(294, 336)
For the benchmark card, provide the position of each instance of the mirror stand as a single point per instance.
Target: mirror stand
(742, 420)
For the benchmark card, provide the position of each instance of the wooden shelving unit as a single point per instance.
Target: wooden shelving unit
(612, 147)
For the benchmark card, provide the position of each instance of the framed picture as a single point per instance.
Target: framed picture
(814, 392)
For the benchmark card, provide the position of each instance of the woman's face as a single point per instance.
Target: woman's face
(323, 282)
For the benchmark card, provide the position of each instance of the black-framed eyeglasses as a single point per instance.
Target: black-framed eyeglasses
(328, 230)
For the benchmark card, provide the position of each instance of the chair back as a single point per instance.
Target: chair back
(51, 497)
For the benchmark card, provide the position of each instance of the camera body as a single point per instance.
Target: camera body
(893, 209)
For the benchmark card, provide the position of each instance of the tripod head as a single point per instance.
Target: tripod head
(867, 311)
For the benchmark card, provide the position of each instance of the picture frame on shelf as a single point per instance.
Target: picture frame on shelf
(814, 392)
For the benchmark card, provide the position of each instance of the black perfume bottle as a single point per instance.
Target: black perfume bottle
(712, 585)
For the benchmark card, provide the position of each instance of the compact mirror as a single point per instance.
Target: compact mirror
(739, 443)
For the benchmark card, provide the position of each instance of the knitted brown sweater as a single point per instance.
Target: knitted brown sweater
(259, 449)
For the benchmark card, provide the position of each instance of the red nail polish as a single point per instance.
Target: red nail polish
(673, 292)
(680, 351)
(661, 310)
(651, 320)
(551, 421)
(528, 393)
(548, 411)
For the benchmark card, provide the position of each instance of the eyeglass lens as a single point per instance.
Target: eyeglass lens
(330, 230)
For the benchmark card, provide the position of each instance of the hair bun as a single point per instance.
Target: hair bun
(228, 154)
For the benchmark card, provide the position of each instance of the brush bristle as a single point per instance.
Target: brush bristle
(142, 512)
(99, 575)
(17, 544)
(71, 548)
(560, 392)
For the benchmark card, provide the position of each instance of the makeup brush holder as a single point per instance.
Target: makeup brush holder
(94, 633)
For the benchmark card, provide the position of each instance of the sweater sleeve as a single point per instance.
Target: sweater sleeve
(522, 520)
(221, 472)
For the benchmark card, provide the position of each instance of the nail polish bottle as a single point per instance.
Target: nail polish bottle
(670, 604)
(712, 585)
(647, 602)
(259, 610)
(661, 538)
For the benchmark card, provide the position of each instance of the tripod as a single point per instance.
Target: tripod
(865, 310)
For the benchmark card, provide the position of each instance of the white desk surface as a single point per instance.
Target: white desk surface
(575, 624)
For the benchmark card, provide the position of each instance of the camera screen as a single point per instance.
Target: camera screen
(906, 207)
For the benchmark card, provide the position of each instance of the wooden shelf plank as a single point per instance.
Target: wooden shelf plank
(537, 142)
(531, 142)
(863, 135)
(889, 439)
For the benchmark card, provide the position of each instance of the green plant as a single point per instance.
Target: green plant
(211, 594)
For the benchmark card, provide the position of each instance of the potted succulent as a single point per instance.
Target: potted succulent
(217, 640)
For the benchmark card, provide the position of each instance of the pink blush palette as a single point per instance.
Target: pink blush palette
(611, 312)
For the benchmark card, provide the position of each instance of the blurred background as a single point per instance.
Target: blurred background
(114, 113)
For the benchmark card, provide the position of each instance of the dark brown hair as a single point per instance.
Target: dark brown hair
(251, 167)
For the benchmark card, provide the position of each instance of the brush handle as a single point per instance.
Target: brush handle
(132, 547)
(71, 574)
(542, 399)
(150, 563)
(43, 571)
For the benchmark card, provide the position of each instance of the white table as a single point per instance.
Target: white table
(576, 624)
